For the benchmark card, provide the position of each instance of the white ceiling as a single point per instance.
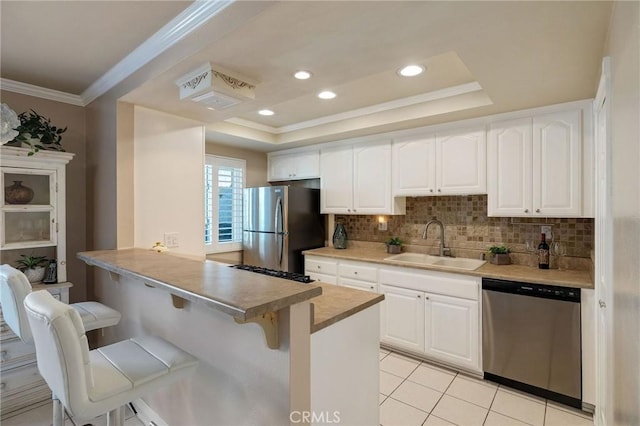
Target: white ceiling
(481, 58)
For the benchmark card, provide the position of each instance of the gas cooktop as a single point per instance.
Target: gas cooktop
(294, 276)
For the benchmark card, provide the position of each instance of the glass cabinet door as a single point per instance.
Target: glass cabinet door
(28, 208)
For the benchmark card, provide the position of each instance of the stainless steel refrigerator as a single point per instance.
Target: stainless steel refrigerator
(279, 222)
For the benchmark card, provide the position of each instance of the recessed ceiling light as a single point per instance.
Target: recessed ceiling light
(302, 75)
(326, 95)
(266, 112)
(211, 108)
(411, 70)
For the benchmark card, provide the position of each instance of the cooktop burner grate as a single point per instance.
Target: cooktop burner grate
(293, 276)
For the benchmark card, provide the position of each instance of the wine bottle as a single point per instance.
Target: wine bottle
(543, 253)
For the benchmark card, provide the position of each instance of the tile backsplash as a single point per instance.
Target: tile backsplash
(468, 229)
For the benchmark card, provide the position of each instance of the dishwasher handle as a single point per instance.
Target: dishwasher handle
(568, 294)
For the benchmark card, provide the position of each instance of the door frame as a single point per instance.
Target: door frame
(603, 250)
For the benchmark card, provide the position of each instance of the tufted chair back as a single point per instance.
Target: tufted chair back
(62, 349)
(14, 287)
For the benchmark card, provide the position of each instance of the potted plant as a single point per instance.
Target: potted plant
(38, 133)
(394, 245)
(499, 255)
(32, 267)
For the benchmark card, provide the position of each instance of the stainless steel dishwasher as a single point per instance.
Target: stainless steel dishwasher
(531, 338)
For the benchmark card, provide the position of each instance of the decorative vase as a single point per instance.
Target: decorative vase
(340, 237)
(18, 193)
(393, 249)
(36, 274)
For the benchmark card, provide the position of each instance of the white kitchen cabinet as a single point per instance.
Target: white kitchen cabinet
(451, 313)
(461, 162)
(294, 166)
(452, 330)
(357, 180)
(321, 269)
(402, 318)
(449, 163)
(535, 166)
(359, 275)
(414, 166)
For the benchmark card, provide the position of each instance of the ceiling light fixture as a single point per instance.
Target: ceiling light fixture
(266, 112)
(302, 75)
(326, 95)
(411, 70)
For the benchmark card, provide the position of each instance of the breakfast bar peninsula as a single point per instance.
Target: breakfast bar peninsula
(271, 351)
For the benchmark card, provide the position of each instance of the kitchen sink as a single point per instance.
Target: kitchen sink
(443, 262)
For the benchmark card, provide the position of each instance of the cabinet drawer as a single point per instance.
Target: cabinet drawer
(331, 279)
(19, 379)
(15, 351)
(454, 285)
(358, 271)
(319, 266)
(359, 285)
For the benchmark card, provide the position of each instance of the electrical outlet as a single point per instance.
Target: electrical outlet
(546, 230)
(171, 239)
(382, 226)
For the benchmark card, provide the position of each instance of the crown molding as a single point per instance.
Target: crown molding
(360, 112)
(199, 12)
(190, 19)
(40, 92)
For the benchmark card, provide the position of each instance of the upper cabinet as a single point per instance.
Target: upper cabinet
(356, 179)
(535, 166)
(448, 163)
(33, 206)
(294, 166)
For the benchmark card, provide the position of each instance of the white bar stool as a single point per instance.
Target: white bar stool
(91, 383)
(14, 287)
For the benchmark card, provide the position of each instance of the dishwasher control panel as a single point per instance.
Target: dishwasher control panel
(534, 290)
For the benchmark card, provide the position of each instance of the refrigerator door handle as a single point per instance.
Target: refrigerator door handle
(279, 229)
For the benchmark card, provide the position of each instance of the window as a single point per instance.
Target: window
(223, 184)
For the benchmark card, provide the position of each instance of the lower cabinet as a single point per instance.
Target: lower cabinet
(452, 330)
(432, 314)
(402, 316)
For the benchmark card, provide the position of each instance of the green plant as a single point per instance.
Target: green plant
(499, 250)
(38, 132)
(30, 262)
(395, 241)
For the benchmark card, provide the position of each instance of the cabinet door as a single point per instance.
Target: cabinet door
(414, 167)
(509, 168)
(28, 222)
(280, 167)
(302, 165)
(461, 166)
(372, 179)
(336, 183)
(307, 165)
(452, 330)
(402, 318)
(557, 164)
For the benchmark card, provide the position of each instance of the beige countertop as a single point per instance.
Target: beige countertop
(567, 278)
(241, 294)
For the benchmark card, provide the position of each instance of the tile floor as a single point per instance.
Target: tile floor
(417, 393)
(41, 415)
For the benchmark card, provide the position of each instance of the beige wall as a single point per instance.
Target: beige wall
(168, 180)
(256, 161)
(73, 140)
(624, 50)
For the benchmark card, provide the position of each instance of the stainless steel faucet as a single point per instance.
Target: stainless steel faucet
(444, 250)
